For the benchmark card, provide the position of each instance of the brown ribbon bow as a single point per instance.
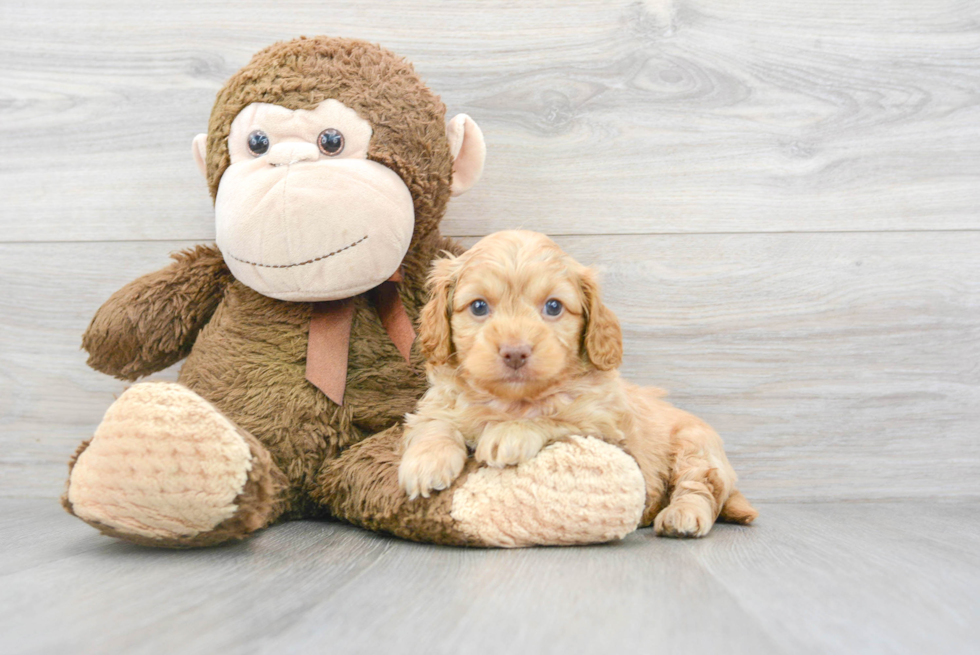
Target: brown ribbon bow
(330, 325)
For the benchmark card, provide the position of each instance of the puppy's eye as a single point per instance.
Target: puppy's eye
(479, 308)
(258, 142)
(331, 142)
(553, 307)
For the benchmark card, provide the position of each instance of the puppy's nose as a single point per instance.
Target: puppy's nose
(515, 354)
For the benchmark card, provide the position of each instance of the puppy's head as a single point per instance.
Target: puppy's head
(518, 316)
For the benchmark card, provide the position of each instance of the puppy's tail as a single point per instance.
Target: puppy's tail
(737, 510)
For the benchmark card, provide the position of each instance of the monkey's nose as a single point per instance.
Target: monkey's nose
(515, 355)
(291, 153)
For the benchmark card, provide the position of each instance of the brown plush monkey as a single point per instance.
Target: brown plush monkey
(330, 164)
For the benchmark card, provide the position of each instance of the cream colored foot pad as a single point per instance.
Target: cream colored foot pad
(578, 492)
(163, 463)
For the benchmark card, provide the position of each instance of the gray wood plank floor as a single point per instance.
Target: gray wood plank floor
(808, 578)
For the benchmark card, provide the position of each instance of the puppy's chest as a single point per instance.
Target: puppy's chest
(562, 413)
(496, 410)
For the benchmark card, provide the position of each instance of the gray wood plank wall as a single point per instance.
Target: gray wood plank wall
(784, 198)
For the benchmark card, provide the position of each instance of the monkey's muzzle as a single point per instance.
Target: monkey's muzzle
(313, 231)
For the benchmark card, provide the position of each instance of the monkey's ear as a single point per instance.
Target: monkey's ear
(603, 341)
(468, 150)
(435, 328)
(200, 150)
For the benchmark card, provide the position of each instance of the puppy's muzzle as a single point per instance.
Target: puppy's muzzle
(515, 355)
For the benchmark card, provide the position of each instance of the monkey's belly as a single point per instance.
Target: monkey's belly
(250, 362)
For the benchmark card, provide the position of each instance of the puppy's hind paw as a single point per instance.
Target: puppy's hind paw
(430, 465)
(686, 517)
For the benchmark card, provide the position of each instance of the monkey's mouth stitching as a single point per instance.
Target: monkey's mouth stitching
(308, 261)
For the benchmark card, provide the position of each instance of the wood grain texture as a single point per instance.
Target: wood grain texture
(836, 366)
(661, 116)
(814, 578)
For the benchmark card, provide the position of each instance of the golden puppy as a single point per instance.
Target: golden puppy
(522, 352)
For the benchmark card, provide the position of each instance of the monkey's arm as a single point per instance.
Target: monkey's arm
(152, 322)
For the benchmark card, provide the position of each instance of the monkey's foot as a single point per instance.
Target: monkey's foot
(580, 491)
(165, 468)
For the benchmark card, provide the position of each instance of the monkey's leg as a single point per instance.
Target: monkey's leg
(702, 484)
(165, 468)
(577, 491)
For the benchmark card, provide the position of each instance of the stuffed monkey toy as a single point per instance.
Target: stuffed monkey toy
(330, 164)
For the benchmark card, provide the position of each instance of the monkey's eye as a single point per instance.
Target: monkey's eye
(479, 308)
(553, 307)
(331, 142)
(258, 142)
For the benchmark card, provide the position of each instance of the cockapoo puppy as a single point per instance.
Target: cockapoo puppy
(522, 352)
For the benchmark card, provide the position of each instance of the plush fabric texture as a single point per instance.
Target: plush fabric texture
(361, 486)
(374, 82)
(532, 502)
(360, 199)
(465, 172)
(277, 446)
(356, 216)
(116, 481)
(329, 336)
(577, 491)
(250, 362)
(328, 345)
(152, 322)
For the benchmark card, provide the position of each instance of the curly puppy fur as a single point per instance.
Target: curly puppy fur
(522, 352)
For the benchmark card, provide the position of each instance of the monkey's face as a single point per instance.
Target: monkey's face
(302, 214)
(320, 195)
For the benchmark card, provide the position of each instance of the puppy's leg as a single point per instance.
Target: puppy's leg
(512, 442)
(435, 453)
(701, 481)
(653, 457)
(738, 510)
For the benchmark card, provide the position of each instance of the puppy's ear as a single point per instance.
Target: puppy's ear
(603, 339)
(435, 336)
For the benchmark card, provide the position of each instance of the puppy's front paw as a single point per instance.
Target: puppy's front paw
(430, 465)
(685, 517)
(507, 443)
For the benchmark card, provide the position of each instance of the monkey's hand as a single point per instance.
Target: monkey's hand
(152, 322)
